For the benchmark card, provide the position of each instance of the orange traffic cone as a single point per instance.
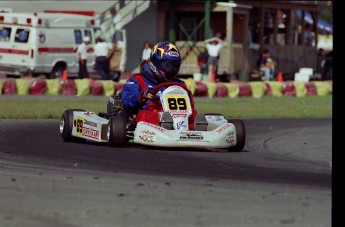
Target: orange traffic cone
(280, 77)
(64, 74)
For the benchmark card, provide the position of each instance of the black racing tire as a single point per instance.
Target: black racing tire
(57, 71)
(66, 125)
(117, 131)
(240, 134)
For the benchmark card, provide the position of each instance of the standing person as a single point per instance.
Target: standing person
(266, 65)
(308, 35)
(82, 58)
(213, 47)
(147, 51)
(114, 56)
(321, 62)
(101, 54)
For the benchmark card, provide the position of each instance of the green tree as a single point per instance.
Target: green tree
(326, 11)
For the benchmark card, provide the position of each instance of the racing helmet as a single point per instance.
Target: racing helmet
(165, 61)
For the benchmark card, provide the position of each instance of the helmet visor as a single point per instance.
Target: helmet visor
(170, 68)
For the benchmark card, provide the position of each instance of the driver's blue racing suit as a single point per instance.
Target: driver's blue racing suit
(146, 110)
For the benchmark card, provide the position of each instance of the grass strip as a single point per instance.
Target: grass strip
(244, 107)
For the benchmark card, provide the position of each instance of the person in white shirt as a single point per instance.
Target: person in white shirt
(101, 54)
(213, 47)
(147, 51)
(82, 58)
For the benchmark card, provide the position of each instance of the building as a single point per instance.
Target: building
(245, 25)
(274, 25)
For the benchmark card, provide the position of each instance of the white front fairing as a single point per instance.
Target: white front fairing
(175, 100)
(90, 126)
(223, 136)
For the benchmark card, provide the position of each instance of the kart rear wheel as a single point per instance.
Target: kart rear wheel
(240, 134)
(117, 131)
(66, 125)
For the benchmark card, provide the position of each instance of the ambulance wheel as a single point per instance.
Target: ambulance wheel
(57, 71)
(240, 134)
(66, 125)
(117, 133)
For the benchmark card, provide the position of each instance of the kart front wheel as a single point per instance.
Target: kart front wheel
(66, 125)
(117, 131)
(240, 134)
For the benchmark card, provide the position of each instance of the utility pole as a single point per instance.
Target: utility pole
(207, 19)
(172, 35)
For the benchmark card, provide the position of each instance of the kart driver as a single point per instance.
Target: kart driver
(163, 66)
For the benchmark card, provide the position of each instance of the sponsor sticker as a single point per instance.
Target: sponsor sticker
(173, 53)
(154, 126)
(147, 136)
(90, 123)
(90, 133)
(221, 129)
(179, 115)
(215, 117)
(153, 68)
(178, 112)
(181, 124)
(89, 113)
(230, 137)
(191, 136)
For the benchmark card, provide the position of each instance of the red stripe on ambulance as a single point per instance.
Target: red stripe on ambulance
(11, 51)
(60, 50)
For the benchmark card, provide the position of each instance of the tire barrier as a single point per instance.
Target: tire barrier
(274, 88)
(96, 87)
(37, 87)
(311, 89)
(82, 87)
(68, 87)
(258, 89)
(9, 86)
(108, 87)
(201, 89)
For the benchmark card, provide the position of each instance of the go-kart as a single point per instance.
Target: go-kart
(117, 127)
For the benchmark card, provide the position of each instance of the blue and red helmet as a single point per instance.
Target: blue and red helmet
(165, 61)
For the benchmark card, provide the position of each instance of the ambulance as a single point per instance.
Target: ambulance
(46, 43)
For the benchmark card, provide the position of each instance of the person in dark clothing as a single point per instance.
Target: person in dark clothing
(101, 53)
(266, 65)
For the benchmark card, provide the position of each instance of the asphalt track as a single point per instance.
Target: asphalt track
(283, 178)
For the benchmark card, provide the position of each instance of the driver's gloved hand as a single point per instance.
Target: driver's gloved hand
(146, 95)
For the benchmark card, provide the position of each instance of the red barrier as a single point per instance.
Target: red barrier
(68, 87)
(245, 90)
(37, 87)
(289, 89)
(9, 86)
(201, 89)
(221, 90)
(96, 87)
(268, 90)
(311, 88)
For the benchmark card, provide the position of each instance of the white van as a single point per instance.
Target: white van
(46, 43)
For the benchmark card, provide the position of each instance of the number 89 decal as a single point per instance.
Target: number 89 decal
(79, 125)
(177, 103)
